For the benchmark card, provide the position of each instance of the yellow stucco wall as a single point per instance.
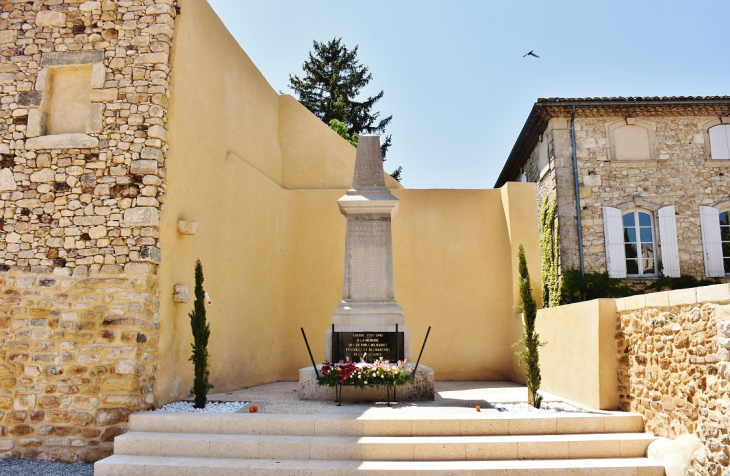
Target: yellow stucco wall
(262, 175)
(579, 359)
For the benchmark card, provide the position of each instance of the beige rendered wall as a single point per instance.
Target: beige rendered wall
(578, 359)
(262, 175)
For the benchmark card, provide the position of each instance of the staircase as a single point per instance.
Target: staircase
(169, 444)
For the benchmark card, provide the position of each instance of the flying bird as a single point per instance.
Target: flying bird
(530, 54)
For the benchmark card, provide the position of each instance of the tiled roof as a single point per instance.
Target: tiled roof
(547, 108)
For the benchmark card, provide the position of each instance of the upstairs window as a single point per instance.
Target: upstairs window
(639, 244)
(720, 142)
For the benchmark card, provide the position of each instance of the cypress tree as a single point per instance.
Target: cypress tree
(530, 341)
(329, 88)
(201, 334)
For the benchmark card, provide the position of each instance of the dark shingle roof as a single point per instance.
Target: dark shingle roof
(547, 108)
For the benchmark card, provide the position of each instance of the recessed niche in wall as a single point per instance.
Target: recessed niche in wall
(68, 100)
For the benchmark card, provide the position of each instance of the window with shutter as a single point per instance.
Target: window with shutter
(669, 244)
(720, 142)
(712, 241)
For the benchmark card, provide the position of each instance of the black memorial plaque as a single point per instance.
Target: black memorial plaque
(368, 346)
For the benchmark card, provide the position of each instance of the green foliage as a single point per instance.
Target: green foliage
(530, 341)
(201, 334)
(332, 80)
(682, 282)
(341, 129)
(551, 281)
(595, 285)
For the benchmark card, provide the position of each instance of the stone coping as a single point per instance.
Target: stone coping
(679, 297)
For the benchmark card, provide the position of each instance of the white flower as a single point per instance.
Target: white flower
(366, 382)
(359, 376)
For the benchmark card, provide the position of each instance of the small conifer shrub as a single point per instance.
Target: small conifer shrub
(530, 341)
(201, 334)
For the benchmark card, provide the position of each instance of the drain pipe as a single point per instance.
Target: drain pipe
(577, 192)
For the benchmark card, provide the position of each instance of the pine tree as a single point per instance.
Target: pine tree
(332, 80)
(201, 334)
(530, 339)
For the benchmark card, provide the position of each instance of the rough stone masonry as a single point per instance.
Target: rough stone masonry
(79, 219)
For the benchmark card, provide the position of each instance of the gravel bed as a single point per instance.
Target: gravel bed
(32, 467)
(546, 407)
(210, 407)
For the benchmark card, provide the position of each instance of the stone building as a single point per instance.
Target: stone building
(137, 136)
(651, 174)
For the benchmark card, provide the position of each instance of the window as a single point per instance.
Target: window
(639, 243)
(631, 241)
(720, 142)
(725, 240)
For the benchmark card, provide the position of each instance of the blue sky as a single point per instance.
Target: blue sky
(453, 73)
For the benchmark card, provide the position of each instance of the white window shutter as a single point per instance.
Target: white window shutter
(711, 242)
(720, 142)
(670, 247)
(613, 231)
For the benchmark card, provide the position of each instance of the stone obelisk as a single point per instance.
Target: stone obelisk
(366, 318)
(368, 297)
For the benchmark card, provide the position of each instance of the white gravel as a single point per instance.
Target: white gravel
(210, 407)
(29, 467)
(546, 407)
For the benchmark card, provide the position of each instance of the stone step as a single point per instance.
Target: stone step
(122, 465)
(392, 424)
(386, 448)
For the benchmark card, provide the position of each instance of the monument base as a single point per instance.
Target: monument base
(420, 390)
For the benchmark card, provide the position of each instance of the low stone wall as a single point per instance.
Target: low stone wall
(674, 364)
(77, 355)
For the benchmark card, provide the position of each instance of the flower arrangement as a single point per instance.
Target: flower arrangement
(381, 372)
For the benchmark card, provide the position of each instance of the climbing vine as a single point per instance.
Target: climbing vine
(549, 228)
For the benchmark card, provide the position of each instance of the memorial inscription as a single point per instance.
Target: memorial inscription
(369, 346)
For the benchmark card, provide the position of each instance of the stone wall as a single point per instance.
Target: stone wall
(673, 350)
(79, 224)
(78, 355)
(681, 175)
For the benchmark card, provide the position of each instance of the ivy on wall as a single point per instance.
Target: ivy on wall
(549, 231)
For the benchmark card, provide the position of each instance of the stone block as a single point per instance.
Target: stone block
(592, 180)
(94, 118)
(98, 76)
(151, 254)
(635, 302)
(142, 216)
(90, 6)
(181, 294)
(97, 232)
(4, 148)
(657, 299)
(682, 297)
(62, 141)
(158, 132)
(7, 36)
(43, 175)
(187, 227)
(151, 58)
(144, 167)
(716, 293)
(7, 180)
(65, 58)
(158, 29)
(30, 98)
(50, 18)
(152, 153)
(36, 123)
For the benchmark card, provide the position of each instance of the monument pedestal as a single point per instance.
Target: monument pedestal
(420, 390)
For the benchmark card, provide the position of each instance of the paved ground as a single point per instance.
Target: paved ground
(450, 397)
